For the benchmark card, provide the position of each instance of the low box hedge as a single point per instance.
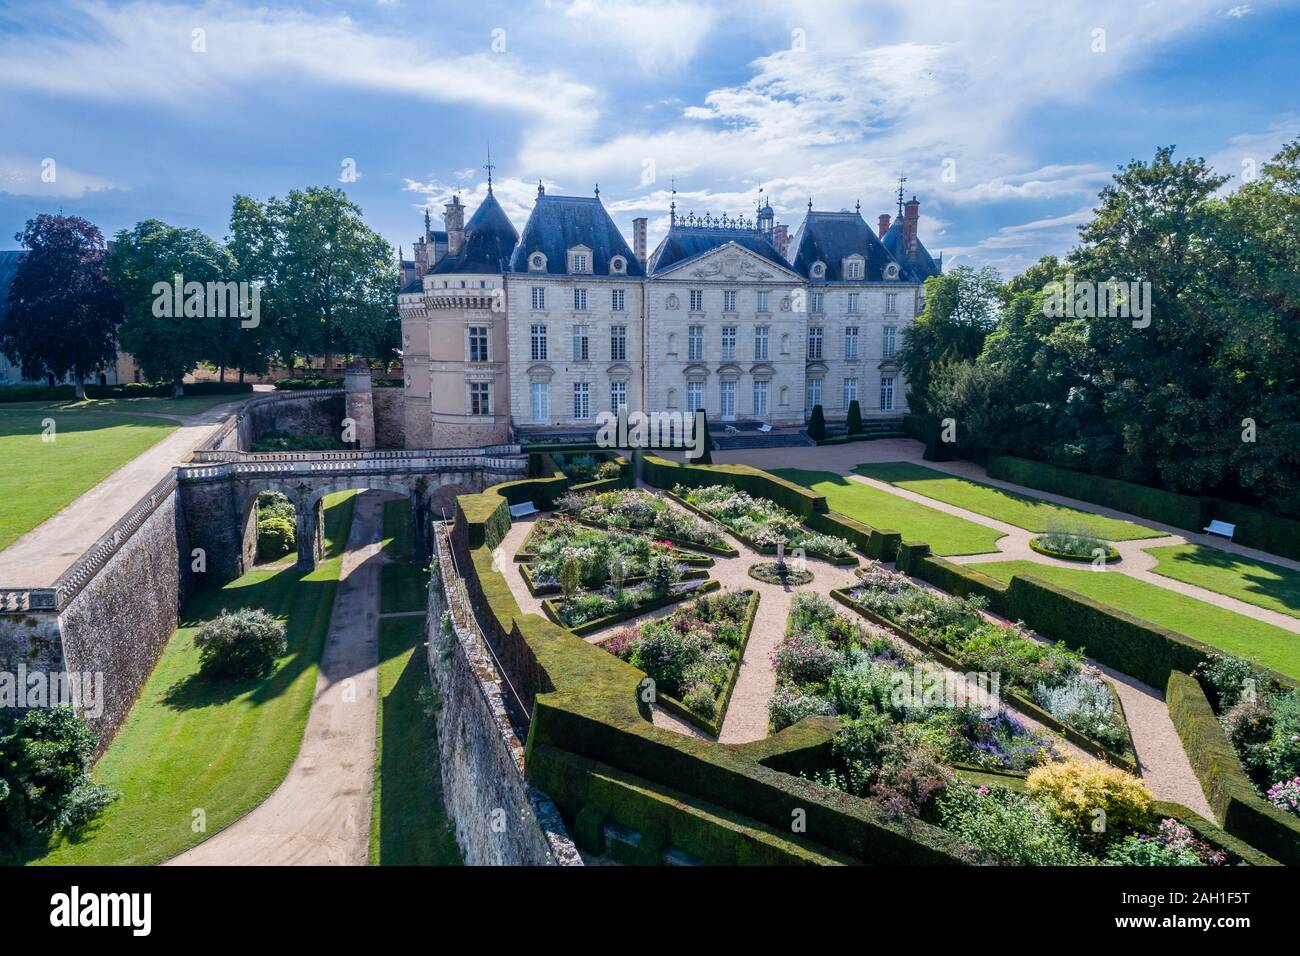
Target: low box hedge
(1228, 789)
(662, 473)
(874, 543)
(552, 609)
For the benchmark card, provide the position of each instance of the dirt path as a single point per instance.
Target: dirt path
(320, 814)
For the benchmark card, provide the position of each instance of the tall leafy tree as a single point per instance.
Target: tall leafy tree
(62, 313)
(168, 339)
(961, 308)
(331, 281)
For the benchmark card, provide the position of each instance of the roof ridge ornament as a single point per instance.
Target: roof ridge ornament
(541, 190)
(489, 167)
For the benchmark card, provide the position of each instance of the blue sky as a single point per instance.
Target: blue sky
(1006, 117)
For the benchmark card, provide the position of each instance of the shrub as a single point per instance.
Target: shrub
(702, 700)
(1285, 795)
(790, 705)
(1075, 791)
(276, 536)
(817, 424)
(803, 659)
(909, 778)
(243, 643)
(662, 573)
(609, 469)
(1011, 826)
(1226, 679)
(855, 418)
(1143, 850)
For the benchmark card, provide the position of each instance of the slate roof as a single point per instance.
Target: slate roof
(415, 285)
(684, 243)
(920, 266)
(8, 269)
(830, 237)
(558, 223)
(489, 239)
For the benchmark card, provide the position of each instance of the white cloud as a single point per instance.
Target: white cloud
(659, 35)
(1238, 12)
(47, 177)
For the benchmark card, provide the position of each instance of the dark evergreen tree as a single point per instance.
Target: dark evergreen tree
(817, 424)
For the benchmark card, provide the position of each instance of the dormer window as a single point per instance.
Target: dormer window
(537, 262)
(891, 271)
(580, 259)
(618, 265)
(853, 267)
(818, 270)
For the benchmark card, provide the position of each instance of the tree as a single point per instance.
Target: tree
(961, 308)
(331, 281)
(855, 418)
(706, 454)
(817, 424)
(242, 643)
(63, 313)
(166, 341)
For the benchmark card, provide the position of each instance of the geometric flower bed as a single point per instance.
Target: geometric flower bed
(693, 654)
(593, 556)
(638, 510)
(763, 523)
(1052, 677)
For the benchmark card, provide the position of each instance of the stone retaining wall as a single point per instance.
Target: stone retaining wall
(390, 418)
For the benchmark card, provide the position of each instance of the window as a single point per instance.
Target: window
(695, 343)
(728, 343)
(579, 300)
(815, 342)
(851, 342)
(617, 397)
(537, 261)
(581, 345)
(813, 394)
(760, 343)
(887, 393)
(853, 302)
(579, 262)
(618, 264)
(540, 395)
(478, 343)
(616, 300)
(891, 302)
(816, 303)
(697, 300)
(479, 399)
(850, 392)
(890, 337)
(538, 338)
(760, 399)
(762, 300)
(727, 403)
(581, 400)
(539, 297)
(729, 300)
(618, 343)
(853, 270)
(694, 396)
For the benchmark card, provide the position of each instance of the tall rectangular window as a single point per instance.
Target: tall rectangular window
(581, 401)
(617, 396)
(760, 343)
(616, 300)
(729, 300)
(851, 342)
(815, 342)
(815, 301)
(581, 345)
(728, 343)
(853, 302)
(762, 300)
(539, 297)
(697, 300)
(850, 392)
(891, 335)
(540, 395)
(887, 393)
(694, 396)
(618, 343)
(479, 398)
(813, 395)
(579, 300)
(891, 302)
(695, 343)
(760, 399)
(537, 339)
(478, 343)
(727, 400)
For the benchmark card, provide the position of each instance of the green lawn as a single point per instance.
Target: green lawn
(40, 478)
(1023, 511)
(1257, 582)
(946, 534)
(408, 826)
(1243, 636)
(404, 586)
(185, 405)
(220, 747)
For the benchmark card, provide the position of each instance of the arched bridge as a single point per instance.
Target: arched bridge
(219, 497)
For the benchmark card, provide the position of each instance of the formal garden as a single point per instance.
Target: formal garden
(636, 509)
(762, 523)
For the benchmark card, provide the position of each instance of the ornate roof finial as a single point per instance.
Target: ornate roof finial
(541, 190)
(810, 203)
(672, 206)
(489, 167)
(597, 190)
(857, 207)
(426, 222)
(901, 180)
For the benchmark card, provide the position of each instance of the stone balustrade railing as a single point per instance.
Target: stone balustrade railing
(356, 463)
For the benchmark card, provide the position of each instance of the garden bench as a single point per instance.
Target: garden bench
(1221, 528)
(523, 509)
(765, 427)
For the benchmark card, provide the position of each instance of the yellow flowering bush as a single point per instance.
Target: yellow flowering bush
(1075, 791)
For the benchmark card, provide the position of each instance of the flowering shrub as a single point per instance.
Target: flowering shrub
(1074, 792)
(790, 705)
(639, 510)
(1285, 795)
(1084, 703)
(762, 521)
(1261, 720)
(1014, 827)
(804, 659)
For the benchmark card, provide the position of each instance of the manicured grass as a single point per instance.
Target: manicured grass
(408, 826)
(946, 534)
(1257, 582)
(185, 405)
(1235, 633)
(1023, 511)
(220, 747)
(404, 585)
(40, 478)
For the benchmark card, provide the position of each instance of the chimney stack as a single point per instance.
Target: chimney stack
(781, 239)
(455, 219)
(638, 238)
(883, 227)
(911, 215)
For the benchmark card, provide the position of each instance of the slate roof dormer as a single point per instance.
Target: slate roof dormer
(490, 239)
(832, 237)
(560, 223)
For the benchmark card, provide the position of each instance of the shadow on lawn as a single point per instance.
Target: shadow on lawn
(1285, 589)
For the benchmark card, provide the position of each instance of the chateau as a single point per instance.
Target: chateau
(536, 333)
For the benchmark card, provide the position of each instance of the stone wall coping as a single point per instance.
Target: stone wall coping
(213, 442)
(389, 454)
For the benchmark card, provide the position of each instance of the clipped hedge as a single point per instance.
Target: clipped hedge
(914, 558)
(1244, 813)
(874, 543)
(552, 608)
(1181, 511)
(1257, 528)
(662, 473)
(542, 492)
